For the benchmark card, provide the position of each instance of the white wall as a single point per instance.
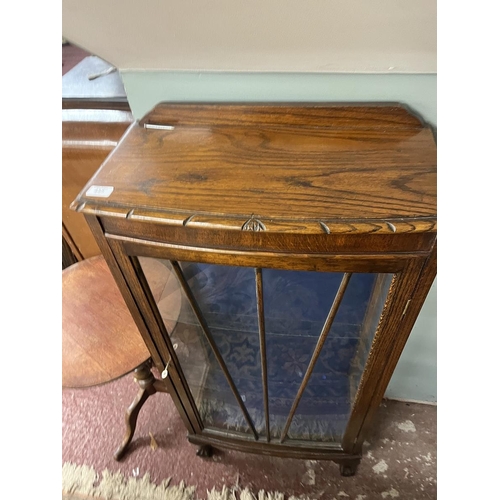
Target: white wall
(257, 35)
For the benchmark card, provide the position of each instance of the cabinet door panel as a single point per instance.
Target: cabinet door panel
(281, 360)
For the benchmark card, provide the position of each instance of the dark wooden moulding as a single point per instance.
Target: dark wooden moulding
(325, 187)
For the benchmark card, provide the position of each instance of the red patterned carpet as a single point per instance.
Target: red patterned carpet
(399, 460)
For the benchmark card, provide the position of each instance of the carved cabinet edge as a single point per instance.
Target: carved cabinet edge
(255, 223)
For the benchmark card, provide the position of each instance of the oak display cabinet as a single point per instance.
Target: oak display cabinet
(300, 244)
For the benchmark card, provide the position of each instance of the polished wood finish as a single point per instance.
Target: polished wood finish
(286, 172)
(87, 139)
(93, 317)
(259, 291)
(178, 395)
(385, 116)
(275, 448)
(68, 257)
(318, 187)
(349, 262)
(100, 341)
(149, 386)
(386, 348)
(153, 329)
(95, 115)
(408, 291)
(246, 240)
(70, 244)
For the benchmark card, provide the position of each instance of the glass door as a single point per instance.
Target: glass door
(276, 354)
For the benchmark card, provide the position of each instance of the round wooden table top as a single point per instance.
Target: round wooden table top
(100, 341)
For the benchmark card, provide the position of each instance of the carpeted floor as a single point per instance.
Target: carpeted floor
(399, 459)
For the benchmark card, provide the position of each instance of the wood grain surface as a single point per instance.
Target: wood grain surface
(100, 340)
(315, 169)
(88, 137)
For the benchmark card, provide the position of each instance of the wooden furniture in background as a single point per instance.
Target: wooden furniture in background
(302, 239)
(95, 115)
(100, 341)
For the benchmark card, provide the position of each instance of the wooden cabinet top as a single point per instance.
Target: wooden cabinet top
(314, 168)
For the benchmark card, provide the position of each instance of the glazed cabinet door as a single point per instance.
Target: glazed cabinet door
(274, 353)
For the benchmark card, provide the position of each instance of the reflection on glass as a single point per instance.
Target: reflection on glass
(296, 304)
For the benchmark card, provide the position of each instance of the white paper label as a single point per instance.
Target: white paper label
(99, 191)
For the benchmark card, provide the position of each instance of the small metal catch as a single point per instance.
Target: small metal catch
(406, 307)
(158, 127)
(164, 373)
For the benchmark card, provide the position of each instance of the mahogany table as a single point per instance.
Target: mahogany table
(100, 341)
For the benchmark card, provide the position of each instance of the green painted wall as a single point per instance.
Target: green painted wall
(146, 88)
(415, 375)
